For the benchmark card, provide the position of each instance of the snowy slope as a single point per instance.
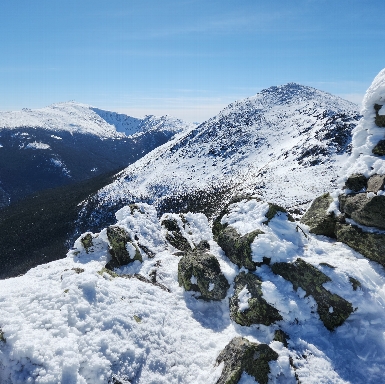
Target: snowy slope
(70, 321)
(82, 118)
(283, 143)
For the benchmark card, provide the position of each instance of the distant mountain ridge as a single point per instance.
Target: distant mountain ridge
(83, 118)
(70, 142)
(285, 135)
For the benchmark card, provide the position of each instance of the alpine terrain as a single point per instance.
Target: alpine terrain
(208, 272)
(285, 144)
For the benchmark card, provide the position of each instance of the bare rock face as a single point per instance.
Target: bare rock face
(365, 211)
(122, 249)
(200, 271)
(333, 310)
(258, 311)
(241, 355)
(238, 248)
(371, 245)
(356, 182)
(379, 119)
(379, 148)
(376, 183)
(174, 235)
(318, 219)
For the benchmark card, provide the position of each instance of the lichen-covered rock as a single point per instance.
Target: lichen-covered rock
(281, 336)
(355, 283)
(364, 210)
(122, 249)
(218, 227)
(356, 182)
(371, 245)
(320, 222)
(238, 248)
(258, 311)
(174, 235)
(274, 209)
(333, 310)
(379, 148)
(200, 271)
(87, 242)
(379, 119)
(241, 355)
(376, 183)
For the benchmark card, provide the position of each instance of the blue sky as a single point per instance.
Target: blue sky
(187, 58)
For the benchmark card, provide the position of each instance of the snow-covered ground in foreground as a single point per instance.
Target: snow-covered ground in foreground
(62, 326)
(77, 117)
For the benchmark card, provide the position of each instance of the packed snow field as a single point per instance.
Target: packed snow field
(70, 321)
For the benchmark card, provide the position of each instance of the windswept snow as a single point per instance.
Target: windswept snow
(70, 321)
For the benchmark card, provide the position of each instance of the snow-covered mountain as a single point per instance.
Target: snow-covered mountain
(283, 143)
(82, 118)
(70, 142)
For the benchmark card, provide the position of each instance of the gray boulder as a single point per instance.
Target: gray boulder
(379, 148)
(319, 221)
(200, 271)
(120, 240)
(379, 119)
(274, 209)
(333, 310)
(356, 182)
(87, 243)
(241, 355)
(174, 235)
(363, 210)
(376, 183)
(238, 248)
(371, 245)
(259, 311)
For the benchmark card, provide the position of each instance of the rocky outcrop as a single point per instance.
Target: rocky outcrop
(371, 245)
(274, 209)
(333, 310)
(258, 311)
(200, 271)
(379, 119)
(174, 235)
(241, 355)
(320, 222)
(238, 248)
(363, 210)
(356, 182)
(122, 249)
(379, 148)
(87, 242)
(282, 337)
(376, 183)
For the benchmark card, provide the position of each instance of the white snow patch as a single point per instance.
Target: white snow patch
(37, 145)
(243, 299)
